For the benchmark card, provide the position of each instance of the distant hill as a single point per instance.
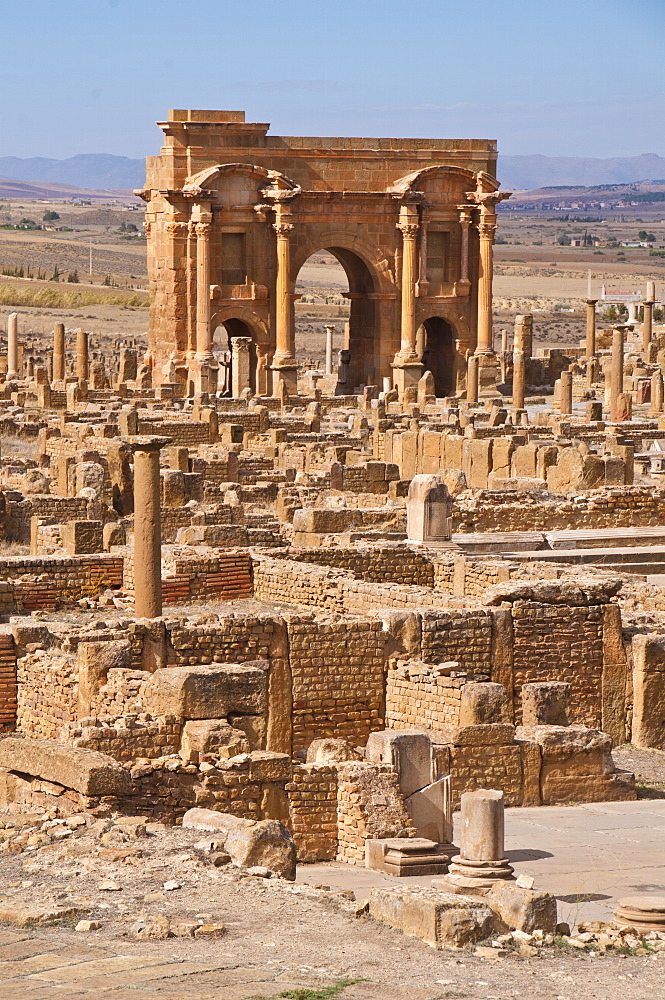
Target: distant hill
(88, 170)
(38, 191)
(529, 172)
(106, 171)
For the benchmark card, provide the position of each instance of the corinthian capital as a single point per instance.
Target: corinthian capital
(487, 228)
(409, 230)
(202, 230)
(283, 228)
(175, 229)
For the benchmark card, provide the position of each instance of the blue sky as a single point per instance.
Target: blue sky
(558, 77)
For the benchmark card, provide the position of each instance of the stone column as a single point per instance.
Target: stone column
(12, 346)
(504, 341)
(472, 379)
(465, 222)
(284, 363)
(240, 365)
(519, 377)
(408, 368)
(656, 405)
(566, 393)
(647, 325)
(330, 330)
(82, 367)
(523, 334)
(591, 327)
(481, 861)
(486, 231)
(616, 372)
(58, 352)
(147, 526)
(203, 357)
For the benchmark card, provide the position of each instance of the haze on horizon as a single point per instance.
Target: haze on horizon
(571, 79)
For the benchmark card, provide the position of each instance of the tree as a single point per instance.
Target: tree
(50, 216)
(73, 277)
(56, 274)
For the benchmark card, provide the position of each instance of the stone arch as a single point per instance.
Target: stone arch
(278, 182)
(441, 341)
(255, 360)
(370, 338)
(411, 182)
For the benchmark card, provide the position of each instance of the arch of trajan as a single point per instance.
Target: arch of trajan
(233, 213)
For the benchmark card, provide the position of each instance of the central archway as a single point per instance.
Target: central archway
(232, 380)
(436, 346)
(361, 336)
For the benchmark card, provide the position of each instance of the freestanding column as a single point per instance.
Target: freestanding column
(330, 330)
(58, 352)
(472, 379)
(203, 346)
(566, 393)
(81, 354)
(465, 223)
(591, 328)
(523, 334)
(284, 363)
(647, 325)
(481, 861)
(12, 345)
(504, 341)
(147, 526)
(616, 372)
(656, 407)
(486, 231)
(519, 375)
(408, 226)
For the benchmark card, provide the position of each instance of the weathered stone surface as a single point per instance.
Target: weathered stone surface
(207, 692)
(546, 703)
(585, 590)
(523, 909)
(329, 751)
(266, 842)
(437, 917)
(85, 771)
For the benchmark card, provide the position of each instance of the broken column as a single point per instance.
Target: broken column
(591, 327)
(429, 511)
(616, 372)
(481, 860)
(519, 375)
(58, 352)
(147, 526)
(523, 334)
(12, 345)
(566, 393)
(472, 379)
(656, 405)
(81, 355)
(241, 365)
(647, 323)
(330, 330)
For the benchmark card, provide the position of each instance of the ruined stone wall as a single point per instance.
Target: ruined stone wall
(55, 509)
(337, 678)
(33, 583)
(47, 693)
(127, 737)
(313, 811)
(375, 564)
(464, 636)
(423, 696)
(564, 643)
(8, 682)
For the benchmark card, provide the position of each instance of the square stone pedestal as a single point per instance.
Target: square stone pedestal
(407, 376)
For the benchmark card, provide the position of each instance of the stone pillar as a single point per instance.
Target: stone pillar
(566, 393)
(656, 405)
(591, 327)
(481, 862)
(647, 325)
(504, 341)
(147, 526)
(519, 377)
(486, 232)
(82, 370)
(330, 330)
(616, 371)
(472, 379)
(58, 352)
(284, 363)
(203, 357)
(406, 364)
(464, 283)
(428, 511)
(241, 364)
(12, 346)
(523, 334)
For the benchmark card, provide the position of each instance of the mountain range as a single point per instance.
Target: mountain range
(110, 172)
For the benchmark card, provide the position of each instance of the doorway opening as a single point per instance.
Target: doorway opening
(437, 339)
(237, 364)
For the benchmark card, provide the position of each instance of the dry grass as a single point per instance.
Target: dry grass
(12, 446)
(66, 298)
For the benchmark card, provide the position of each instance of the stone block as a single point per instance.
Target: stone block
(521, 909)
(410, 753)
(329, 751)
(546, 703)
(211, 736)
(483, 703)
(439, 918)
(267, 842)
(85, 771)
(82, 537)
(431, 811)
(207, 692)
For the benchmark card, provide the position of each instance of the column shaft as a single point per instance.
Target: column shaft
(647, 325)
(472, 379)
(591, 328)
(409, 261)
(82, 366)
(486, 230)
(519, 373)
(203, 346)
(147, 533)
(58, 352)
(12, 345)
(616, 372)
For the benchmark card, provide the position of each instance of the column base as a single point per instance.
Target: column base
(406, 375)
(489, 374)
(285, 378)
(478, 874)
(202, 377)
